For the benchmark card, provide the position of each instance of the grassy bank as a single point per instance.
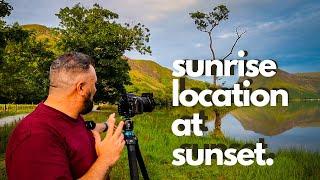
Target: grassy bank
(157, 143)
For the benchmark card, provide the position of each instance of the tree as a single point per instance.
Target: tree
(24, 63)
(9, 33)
(25, 68)
(206, 22)
(5, 10)
(96, 32)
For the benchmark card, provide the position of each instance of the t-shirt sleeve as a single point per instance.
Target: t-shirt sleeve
(40, 156)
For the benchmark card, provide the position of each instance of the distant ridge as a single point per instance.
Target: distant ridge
(148, 76)
(299, 85)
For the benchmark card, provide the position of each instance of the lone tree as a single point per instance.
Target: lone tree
(96, 32)
(206, 22)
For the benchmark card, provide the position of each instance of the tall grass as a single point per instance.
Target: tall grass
(3, 175)
(5, 132)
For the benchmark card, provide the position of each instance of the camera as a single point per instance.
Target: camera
(130, 104)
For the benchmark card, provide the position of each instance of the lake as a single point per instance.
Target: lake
(295, 126)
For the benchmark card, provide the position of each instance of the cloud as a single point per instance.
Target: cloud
(149, 10)
(226, 35)
(198, 45)
(304, 15)
(265, 25)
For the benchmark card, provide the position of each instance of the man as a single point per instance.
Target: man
(52, 142)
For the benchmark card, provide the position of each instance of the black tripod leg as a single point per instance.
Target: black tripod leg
(141, 162)
(134, 174)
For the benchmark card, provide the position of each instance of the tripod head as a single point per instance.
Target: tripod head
(125, 109)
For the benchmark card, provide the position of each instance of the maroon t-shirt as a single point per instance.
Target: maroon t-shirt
(48, 144)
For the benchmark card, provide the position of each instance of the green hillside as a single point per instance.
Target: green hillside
(44, 33)
(300, 86)
(311, 78)
(148, 76)
(41, 31)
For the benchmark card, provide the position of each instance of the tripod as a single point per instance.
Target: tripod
(134, 153)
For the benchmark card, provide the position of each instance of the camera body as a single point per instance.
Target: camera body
(130, 104)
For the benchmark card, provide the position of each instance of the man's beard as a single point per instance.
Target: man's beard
(87, 106)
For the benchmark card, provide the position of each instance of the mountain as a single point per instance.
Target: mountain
(299, 86)
(312, 78)
(41, 31)
(148, 76)
(44, 33)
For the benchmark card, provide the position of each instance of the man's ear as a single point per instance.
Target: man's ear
(80, 88)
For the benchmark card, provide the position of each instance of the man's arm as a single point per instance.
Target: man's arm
(108, 150)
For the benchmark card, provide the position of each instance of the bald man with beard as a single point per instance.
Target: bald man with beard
(53, 142)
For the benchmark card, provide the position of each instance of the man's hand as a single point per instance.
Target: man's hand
(108, 150)
(111, 146)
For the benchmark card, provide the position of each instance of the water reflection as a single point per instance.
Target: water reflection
(282, 127)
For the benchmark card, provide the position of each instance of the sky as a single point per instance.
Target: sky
(287, 31)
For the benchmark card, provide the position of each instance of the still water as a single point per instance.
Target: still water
(295, 126)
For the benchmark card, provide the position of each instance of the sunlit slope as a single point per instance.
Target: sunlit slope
(148, 76)
(44, 33)
(300, 86)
